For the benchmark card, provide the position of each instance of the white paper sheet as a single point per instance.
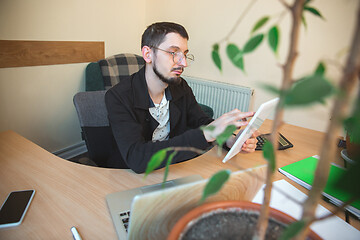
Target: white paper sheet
(331, 228)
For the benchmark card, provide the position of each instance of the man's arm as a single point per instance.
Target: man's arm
(129, 135)
(238, 119)
(129, 129)
(234, 117)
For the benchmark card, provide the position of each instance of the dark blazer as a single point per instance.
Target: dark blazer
(132, 125)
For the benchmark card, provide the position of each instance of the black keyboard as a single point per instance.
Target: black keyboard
(125, 217)
(283, 142)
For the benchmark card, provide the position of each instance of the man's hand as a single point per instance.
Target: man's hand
(234, 117)
(248, 146)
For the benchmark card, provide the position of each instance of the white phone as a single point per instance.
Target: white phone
(14, 208)
(259, 117)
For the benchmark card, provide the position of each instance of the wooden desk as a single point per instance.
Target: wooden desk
(70, 194)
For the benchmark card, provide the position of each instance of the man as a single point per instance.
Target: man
(155, 108)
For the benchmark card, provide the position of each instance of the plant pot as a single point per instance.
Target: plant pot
(229, 218)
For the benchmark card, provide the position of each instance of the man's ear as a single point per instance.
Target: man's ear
(147, 54)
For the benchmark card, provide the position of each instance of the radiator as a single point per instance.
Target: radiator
(221, 97)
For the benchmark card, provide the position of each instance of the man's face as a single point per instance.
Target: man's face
(163, 64)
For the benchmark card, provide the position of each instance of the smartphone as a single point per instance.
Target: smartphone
(14, 208)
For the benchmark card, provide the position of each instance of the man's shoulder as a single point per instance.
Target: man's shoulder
(184, 83)
(126, 83)
(180, 89)
(122, 86)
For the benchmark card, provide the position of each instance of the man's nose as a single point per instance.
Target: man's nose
(183, 62)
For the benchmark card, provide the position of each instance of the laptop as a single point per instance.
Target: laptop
(150, 212)
(119, 203)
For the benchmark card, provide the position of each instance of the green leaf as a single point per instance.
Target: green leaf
(216, 47)
(253, 43)
(303, 20)
(222, 137)
(260, 23)
(308, 90)
(235, 55)
(209, 128)
(322, 101)
(170, 158)
(320, 69)
(273, 38)
(216, 59)
(313, 11)
(155, 161)
(292, 230)
(269, 155)
(216, 56)
(215, 183)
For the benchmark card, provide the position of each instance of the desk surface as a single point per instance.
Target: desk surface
(70, 194)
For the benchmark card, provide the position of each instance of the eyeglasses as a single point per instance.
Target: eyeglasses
(178, 56)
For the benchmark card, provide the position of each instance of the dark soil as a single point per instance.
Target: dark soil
(229, 224)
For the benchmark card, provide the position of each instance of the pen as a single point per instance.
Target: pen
(75, 233)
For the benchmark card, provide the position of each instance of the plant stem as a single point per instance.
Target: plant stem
(252, 2)
(337, 210)
(285, 4)
(340, 109)
(282, 15)
(296, 11)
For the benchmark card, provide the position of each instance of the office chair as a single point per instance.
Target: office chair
(90, 105)
(92, 114)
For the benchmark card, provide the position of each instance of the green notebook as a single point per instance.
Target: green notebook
(302, 172)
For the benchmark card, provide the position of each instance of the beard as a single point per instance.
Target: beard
(169, 81)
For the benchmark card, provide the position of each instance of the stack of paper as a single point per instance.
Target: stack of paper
(302, 172)
(330, 228)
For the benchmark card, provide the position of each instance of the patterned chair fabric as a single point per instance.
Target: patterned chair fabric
(117, 67)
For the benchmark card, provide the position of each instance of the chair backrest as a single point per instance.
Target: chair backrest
(91, 109)
(117, 67)
(92, 114)
(93, 77)
(90, 105)
(107, 72)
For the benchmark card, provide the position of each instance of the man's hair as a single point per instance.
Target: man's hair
(155, 34)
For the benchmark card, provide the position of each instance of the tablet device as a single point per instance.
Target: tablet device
(261, 114)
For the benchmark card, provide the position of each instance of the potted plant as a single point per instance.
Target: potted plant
(309, 89)
(229, 220)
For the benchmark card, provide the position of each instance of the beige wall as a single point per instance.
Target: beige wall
(210, 21)
(37, 101)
